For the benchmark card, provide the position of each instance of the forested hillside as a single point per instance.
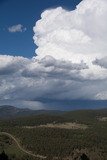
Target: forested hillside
(68, 136)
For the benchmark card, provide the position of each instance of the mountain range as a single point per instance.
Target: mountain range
(12, 112)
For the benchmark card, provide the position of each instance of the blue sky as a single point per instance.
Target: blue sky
(25, 12)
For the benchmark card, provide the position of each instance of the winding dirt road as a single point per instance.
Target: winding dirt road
(20, 147)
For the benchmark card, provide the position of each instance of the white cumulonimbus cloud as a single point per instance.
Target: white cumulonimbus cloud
(70, 61)
(73, 35)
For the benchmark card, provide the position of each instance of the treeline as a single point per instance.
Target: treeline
(81, 116)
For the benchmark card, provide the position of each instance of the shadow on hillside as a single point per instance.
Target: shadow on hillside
(84, 157)
(3, 156)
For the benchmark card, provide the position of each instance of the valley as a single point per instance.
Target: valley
(63, 136)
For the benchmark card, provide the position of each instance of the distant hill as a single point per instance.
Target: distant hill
(11, 112)
(14, 112)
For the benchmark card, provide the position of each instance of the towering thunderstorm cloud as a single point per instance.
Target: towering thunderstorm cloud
(73, 35)
(70, 61)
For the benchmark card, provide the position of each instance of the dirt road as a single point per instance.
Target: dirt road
(20, 147)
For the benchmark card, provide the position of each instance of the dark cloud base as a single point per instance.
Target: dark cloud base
(62, 105)
(74, 104)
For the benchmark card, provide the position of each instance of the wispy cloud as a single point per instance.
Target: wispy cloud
(17, 28)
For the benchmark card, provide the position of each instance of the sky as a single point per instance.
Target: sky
(26, 13)
(53, 54)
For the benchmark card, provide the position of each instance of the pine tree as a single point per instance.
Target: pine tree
(3, 156)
